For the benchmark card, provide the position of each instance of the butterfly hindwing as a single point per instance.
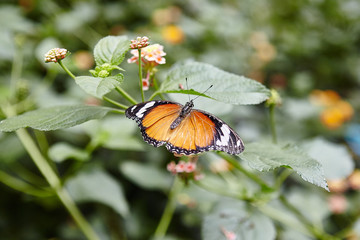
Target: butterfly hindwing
(225, 138)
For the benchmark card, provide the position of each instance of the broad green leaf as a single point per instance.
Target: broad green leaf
(267, 156)
(11, 149)
(96, 185)
(238, 219)
(114, 132)
(97, 86)
(335, 158)
(62, 151)
(146, 176)
(227, 87)
(47, 119)
(111, 49)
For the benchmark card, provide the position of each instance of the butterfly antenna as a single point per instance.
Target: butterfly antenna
(203, 92)
(187, 87)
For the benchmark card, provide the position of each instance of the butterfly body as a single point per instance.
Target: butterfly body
(183, 129)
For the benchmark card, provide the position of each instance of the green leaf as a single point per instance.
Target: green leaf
(97, 86)
(47, 119)
(96, 185)
(111, 49)
(227, 87)
(335, 158)
(268, 156)
(61, 151)
(115, 133)
(146, 176)
(238, 218)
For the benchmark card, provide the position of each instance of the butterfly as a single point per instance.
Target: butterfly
(182, 129)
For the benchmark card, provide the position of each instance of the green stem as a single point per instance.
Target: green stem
(221, 191)
(285, 173)
(125, 95)
(140, 76)
(115, 103)
(316, 232)
(272, 123)
(239, 167)
(153, 95)
(53, 179)
(169, 210)
(156, 86)
(23, 186)
(66, 69)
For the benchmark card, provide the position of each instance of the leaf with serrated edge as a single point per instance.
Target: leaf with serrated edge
(227, 87)
(267, 156)
(111, 49)
(58, 117)
(97, 86)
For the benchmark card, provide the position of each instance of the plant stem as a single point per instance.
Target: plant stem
(115, 103)
(238, 166)
(125, 95)
(169, 210)
(272, 123)
(140, 76)
(316, 232)
(66, 69)
(23, 186)
(53, 179)
(156, 86)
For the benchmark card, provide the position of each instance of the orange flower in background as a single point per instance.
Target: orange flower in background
(324, 97)
(173, 34)
(336, 111)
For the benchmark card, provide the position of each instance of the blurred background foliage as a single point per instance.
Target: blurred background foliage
(308, 50)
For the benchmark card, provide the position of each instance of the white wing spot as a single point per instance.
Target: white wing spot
(224, 140)
(140, 113)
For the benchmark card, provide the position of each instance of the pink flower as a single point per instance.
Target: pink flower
(171, 167)
(146, 84)
(190, 167)
(180, 167)
(337, 203)
(228, 234)
(151, 55)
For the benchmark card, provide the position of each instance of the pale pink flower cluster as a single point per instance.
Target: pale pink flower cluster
(55, 54)
(181, 167)
(151, 55)
(139, 42)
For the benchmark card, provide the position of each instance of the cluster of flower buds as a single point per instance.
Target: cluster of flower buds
(139, 42)
(55, 54)
(185, 170)
(182, 166)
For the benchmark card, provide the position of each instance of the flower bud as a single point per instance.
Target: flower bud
(139, 42)
(55, 54)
